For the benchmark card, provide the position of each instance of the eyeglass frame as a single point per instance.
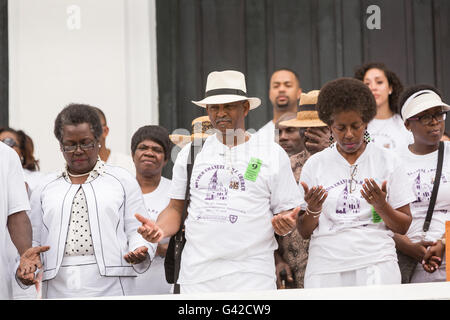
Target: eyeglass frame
(431, 117)
(10, 142)
(353, 172)
(83, 147)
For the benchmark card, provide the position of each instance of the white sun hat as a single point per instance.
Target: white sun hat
(226, 87)
(421, 101)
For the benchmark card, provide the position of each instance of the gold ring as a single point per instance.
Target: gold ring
(370, 197)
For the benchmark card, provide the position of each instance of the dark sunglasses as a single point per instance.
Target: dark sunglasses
(10, 142)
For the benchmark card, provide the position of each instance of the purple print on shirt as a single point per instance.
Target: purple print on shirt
(347, 203)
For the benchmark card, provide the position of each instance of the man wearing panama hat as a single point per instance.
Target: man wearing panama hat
(241, 191)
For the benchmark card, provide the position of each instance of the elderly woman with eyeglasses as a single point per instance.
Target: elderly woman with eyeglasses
(424, 114)
(354, 194)
(85, 214)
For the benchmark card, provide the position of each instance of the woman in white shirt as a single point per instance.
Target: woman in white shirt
(86, 215)
(386, 129)
(354, 194)
(424, 114)
(151, 149)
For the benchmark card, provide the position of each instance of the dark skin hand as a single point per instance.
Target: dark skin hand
(136, 256)
(317, 139)
(314, 197)
(433, 257)
(280, 265)
(30, 261)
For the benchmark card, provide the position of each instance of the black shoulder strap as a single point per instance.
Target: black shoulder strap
(195, 149)
(437, 181)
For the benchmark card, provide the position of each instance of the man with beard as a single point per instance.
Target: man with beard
(284, 94)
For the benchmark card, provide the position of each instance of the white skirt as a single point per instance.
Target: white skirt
(79, 277)
(235, 282)
(386, 272)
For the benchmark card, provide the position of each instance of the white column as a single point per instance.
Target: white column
(101, 53)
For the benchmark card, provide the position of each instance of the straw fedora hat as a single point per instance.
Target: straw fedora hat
(201, 129)
(308, 115)
(226, 87)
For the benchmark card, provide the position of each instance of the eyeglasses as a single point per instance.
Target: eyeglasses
(83, 146)
(353, 172)
(427, 119)
(10, 142)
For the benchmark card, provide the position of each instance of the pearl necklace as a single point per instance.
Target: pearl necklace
(78, 175)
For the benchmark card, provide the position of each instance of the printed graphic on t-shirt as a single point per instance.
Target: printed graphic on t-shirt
(349, 208)
(423, 184)
(217, 183)
(347, 203)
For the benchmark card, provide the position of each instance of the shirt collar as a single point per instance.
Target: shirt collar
(99, 170)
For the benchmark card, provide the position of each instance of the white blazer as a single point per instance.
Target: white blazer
(112, 198)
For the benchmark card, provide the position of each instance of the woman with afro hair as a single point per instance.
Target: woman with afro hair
(386, 129)
(355, 196)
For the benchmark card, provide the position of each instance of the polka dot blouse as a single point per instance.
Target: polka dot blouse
(79, 238)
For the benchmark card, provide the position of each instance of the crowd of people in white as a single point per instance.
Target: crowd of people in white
(343, 187)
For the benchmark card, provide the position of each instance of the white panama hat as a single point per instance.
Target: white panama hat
(421, 101)
(226, 87)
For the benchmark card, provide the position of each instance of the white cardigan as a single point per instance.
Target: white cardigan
(112, 198)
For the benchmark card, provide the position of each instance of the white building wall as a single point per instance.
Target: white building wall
(98, 52)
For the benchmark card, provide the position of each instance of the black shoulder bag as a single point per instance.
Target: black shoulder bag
(177, 241)
(406, 263)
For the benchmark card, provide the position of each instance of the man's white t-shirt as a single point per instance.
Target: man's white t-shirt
(422, 170)
(13, 199)
(349, 235)
(390, 133)
(268, 131)
(153, 281)
(234, 194)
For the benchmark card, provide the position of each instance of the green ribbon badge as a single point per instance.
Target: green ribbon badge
(375, 216)
(253, 169)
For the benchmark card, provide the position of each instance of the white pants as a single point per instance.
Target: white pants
(386, 272)
(235, 282)
(79, 277)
